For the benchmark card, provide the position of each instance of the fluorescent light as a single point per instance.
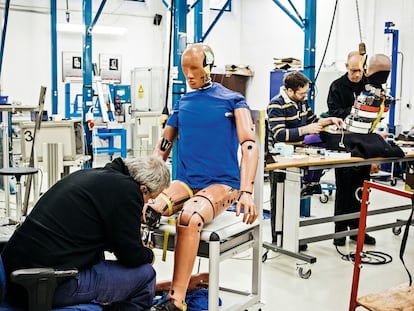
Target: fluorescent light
(98, 30)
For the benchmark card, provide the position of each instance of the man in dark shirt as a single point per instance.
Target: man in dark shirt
(344, 90)
(341, 97)
(84, 214)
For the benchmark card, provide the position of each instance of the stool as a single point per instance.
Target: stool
(110, 134)
(221, 239)
(18, 172)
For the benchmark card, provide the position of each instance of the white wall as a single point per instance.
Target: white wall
(27, 56)
(253, 33)
(267, 32)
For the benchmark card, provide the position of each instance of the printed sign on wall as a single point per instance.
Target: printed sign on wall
(110, 67)
(71, 66)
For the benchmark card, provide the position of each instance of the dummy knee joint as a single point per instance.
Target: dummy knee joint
(191, 219)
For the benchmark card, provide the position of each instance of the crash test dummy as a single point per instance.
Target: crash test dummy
(212, 122)
(369, 108)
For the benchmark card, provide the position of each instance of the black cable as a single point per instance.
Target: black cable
(368, 257)
(327, 41)
(165, 109)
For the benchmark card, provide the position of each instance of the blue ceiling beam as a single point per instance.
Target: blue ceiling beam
(54, 66)
(3, 35)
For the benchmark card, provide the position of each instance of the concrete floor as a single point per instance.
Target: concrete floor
(329, 285)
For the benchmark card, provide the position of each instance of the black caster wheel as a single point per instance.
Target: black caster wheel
(323, 198)
(393, 182)
(304, 274)
(396, 230)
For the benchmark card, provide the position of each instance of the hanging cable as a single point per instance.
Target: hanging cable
(359, 21)
(361, 47)
(67, 12)
(327, 41)
(165, 112)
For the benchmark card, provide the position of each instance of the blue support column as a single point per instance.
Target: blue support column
(308, 24)
(198, 21)
(4, 31)
(53, 12)
(309, 71)
(309, 48)
(179, 86)
(389, 29)
(87, 91)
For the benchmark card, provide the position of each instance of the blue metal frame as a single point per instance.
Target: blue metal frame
(308, 25)
(198, 20)
(214, 22)
(87, 91)
(389, 29)
(54, 91)
(179, 86)
(3, 35)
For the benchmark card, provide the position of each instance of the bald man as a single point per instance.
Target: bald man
(212, 123)
(343, 91)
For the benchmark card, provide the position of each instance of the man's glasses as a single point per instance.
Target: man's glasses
(301, 93)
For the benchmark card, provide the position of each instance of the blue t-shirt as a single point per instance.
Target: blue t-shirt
(207, 137)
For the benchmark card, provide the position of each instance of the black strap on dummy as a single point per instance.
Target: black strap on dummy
(404, 239)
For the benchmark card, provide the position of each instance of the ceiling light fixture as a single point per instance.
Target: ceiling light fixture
(97, 30)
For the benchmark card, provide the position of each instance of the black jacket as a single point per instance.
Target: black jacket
(341, 96)
(84, 214)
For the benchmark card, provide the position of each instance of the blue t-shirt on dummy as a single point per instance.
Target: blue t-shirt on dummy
(207, 137)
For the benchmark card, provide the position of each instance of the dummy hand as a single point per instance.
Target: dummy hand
(249, 208)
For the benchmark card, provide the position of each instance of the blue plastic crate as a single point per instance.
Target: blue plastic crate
(4, 99)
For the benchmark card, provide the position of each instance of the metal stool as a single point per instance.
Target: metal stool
(18, 172)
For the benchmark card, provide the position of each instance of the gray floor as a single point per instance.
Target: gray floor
(329, 285)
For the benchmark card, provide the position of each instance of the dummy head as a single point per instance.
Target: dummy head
(353, 67)
(379, 67)
(197, 61)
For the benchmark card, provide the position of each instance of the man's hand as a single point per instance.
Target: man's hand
(375, 168)
(331, 121)
(249, 208)
(312, 128)
(150, 217)
(337, 121)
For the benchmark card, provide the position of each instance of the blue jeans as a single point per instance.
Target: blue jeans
(109, 282)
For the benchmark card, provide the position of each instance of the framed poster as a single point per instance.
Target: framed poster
(110, 67)
(71, 66)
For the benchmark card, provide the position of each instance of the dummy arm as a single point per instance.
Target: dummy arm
(164, 146)
(248, 164)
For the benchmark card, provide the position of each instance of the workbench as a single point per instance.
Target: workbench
(287, 220)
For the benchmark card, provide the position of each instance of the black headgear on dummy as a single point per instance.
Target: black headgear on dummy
(378, 79)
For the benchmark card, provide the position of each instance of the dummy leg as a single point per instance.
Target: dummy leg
(172, 199)
(197, 211)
